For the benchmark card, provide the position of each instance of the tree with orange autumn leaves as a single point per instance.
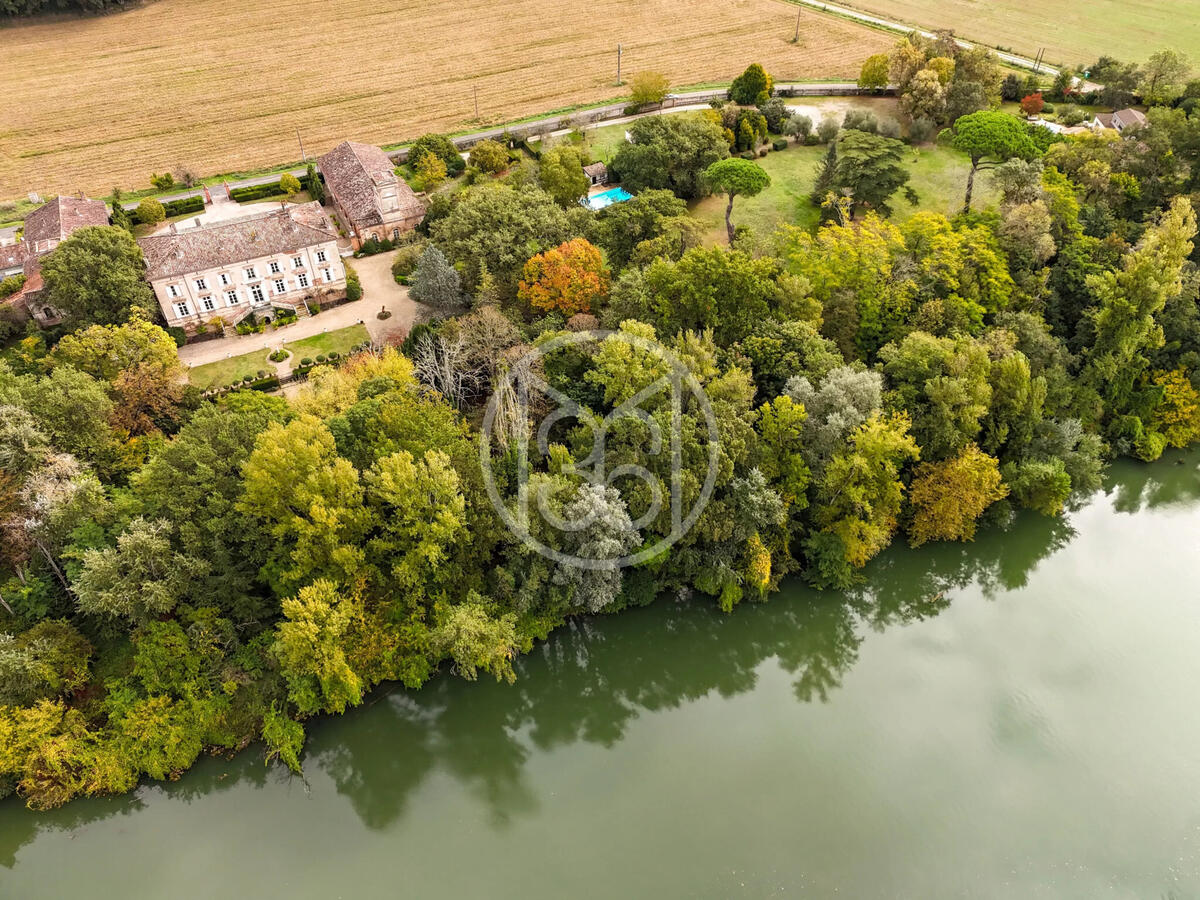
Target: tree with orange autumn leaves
(569, 278)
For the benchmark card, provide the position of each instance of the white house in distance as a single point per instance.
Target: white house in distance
(286, 258)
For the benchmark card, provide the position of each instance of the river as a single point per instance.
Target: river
(1015, 717)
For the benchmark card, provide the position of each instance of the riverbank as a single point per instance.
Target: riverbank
(1010, 718)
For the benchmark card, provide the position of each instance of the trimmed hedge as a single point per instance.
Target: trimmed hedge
(780, 144)
(261, 191)
(184, 206)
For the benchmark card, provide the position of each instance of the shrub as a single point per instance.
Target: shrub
(279, 355)
(11, 285)
(747, 154)
(314, 308)
(922, 130)
(321, 358)
(163, 182)
(889, 128)
(779, 144)
(262, 373)
(307, 361)
(353, 285)
(150, 212)
(184, 206)
(333, 355)
(373, 245)
(489, 156)
(289, 184)
(178, 335)
(861, 120)
(827, 130)
(406, 260)
(1072, 116)
(383, 314)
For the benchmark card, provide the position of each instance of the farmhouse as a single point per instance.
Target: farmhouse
(1121, 119)
(283, 259)
(45, 228)
(369, 199)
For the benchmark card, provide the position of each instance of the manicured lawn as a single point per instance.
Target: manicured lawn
(339, 341)
(938, 175)
(228, 371)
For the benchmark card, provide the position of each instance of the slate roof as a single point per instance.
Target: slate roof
(278, 232)
(57, 219)
(352, 171)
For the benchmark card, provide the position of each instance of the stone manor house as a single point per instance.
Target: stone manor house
(285, 258)
(216, 269)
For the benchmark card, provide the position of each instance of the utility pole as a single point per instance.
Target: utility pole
(302, 154)
(475, 88)
(796, 36)
(618, 65)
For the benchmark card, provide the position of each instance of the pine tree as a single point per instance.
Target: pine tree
(435, 281)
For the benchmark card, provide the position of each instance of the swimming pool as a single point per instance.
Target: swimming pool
(608, 198)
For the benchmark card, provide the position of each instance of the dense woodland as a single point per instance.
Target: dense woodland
(183, 574)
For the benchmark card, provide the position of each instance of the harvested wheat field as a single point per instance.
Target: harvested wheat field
(222, 87)
(1073, 32)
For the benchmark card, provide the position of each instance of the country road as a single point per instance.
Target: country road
(1013, 59)
(613, 113)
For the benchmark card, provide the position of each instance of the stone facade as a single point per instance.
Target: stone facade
(286, 258)
(370, 200)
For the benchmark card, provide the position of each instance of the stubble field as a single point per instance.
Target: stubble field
(221, 87)
(1073, 32)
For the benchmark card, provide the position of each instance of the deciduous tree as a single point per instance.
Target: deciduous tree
(570, 278)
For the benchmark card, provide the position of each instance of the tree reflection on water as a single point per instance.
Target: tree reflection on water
(597, 675)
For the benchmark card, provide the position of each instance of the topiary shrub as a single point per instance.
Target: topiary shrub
(321, 358)
(307, 361)
(779, 144)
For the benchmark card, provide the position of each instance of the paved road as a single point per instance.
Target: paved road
(1014, 59)
(613, 113)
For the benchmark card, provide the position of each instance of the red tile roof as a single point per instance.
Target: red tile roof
(57, 219)
(352, 172)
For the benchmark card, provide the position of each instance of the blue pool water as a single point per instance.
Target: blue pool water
(608, 198)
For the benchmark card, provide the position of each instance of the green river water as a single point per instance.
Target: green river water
(1016, 717)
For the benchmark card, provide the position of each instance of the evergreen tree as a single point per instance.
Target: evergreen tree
(435, 281)
(826, 175)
